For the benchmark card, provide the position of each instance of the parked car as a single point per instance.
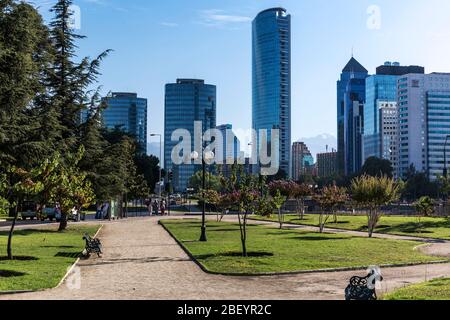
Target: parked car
(48, 213)
(28, 210)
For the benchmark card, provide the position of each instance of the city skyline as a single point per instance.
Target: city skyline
(221, 49)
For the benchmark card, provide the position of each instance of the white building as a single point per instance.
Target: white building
(424, 122)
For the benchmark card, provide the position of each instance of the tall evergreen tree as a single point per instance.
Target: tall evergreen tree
(69, 81)
(24, 55)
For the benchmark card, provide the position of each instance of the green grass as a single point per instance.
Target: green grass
(436, 228)
(42, 257)
(279, 251)
(434, 290)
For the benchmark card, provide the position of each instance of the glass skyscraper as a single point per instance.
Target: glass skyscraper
(346, 94)
(381, 95)
(186, 101)
(272, 78)
(129, 112)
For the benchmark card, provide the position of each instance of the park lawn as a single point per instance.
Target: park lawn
(436, 228)
(42, 257)
(438, 289)
(279, 251)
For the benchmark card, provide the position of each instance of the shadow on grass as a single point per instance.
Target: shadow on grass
(320, 238)
(235, 255)
(28, 232)
(68, 255)
(11, 274)
(415, 228)
(59, 247)
(19, 258)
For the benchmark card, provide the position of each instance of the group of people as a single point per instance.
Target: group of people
(157, 207)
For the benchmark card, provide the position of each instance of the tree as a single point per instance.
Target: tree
(329, 199)
(418, 185)
(65, 184)
(300, 192)
(372, 193)
(278, 201)
(281, 191)
(424, 207)
(377, 167)
(25, 54)
(213, 182)
(149, 167)
(21, 184)
(69, 81)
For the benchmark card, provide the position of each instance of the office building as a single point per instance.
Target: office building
(354, 98)
(272, 78)
(229, 151)
(129, 112)
(186, 101)
(424, 122)
(352, 71)
(327, 164)
(380, 111)
(302, 161)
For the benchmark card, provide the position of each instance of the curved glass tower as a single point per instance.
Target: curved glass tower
(272, 78)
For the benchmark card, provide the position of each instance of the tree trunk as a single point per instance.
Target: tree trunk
(303, 210)
(11, 232)
(63, 223)
(280, 218)
(243, 229)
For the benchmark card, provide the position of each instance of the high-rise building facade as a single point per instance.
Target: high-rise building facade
(389, 133)
(128, 111)
(187, 101)
(229, 151)
(272, 78)
(353, 70)
(380, 111)
(354, 98)
(424, 122)
(302, 160)
(327, 164)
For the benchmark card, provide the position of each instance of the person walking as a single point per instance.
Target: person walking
(163, 207)
(155, 207)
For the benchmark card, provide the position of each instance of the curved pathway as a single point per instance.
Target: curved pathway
(142, 261)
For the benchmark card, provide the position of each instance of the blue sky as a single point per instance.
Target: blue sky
(156, 42)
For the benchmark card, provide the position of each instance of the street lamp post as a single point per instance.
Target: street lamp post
(160, 161)
(205, 156)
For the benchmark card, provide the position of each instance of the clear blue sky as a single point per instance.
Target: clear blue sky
(156, 42)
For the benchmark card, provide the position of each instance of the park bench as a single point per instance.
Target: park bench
(363, 288)
(92, 246)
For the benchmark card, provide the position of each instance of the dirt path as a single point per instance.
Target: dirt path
(142, 261)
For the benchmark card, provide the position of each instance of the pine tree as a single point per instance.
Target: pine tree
(69, 81)
(24, 54)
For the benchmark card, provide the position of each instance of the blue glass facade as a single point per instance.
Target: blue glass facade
(186, 101)
(378, 88)
(272, 78)
(438, 126)
(354, 125)
(129, 112)
(353, 70)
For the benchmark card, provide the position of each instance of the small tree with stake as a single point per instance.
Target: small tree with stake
(372, 193)
(424, 207)
(329, 200)
(300, 192)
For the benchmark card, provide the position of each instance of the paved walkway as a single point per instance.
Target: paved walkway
(142, 261)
